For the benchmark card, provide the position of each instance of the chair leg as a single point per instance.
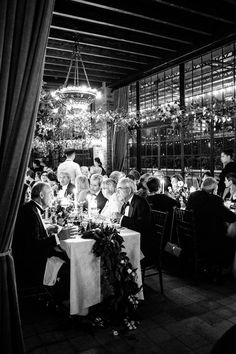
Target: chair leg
(160, 278)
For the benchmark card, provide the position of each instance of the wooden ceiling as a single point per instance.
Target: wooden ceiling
(121, 40)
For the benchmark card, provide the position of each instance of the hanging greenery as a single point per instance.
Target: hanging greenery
(119, 284)
(59, 128)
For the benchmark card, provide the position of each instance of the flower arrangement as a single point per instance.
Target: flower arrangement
(62, 212)
(119, 284)
(181, 193)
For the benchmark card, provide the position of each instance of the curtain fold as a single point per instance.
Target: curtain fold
(120, 134)
(24, 30)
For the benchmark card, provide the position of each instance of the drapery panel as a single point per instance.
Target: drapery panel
(120, 134)
(24, 29)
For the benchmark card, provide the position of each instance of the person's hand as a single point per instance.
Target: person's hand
(52, 228)
(68, 232)
(116, 217)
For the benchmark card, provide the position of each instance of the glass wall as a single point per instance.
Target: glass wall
(209, 88)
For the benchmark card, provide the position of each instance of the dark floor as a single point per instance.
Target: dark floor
(186, 319)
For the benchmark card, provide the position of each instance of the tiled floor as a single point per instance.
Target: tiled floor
(188, 318)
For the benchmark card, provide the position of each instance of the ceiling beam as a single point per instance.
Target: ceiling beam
(136, 14)
(129, 29)
(118, 39)
(62, 43)
(195, 12)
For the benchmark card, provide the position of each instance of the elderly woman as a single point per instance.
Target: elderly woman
(82, 188)
(112, 205)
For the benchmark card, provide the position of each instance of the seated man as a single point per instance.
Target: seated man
(210, 217)
(96, 191)
(68, 188)
(136, 215)
(161, 202)
(32, 242)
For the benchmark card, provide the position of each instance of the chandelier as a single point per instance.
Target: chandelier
(76, 97)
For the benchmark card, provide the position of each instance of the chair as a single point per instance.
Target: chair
(187, 238)
(159, 222)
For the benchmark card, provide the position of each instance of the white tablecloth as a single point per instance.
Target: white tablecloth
(85, 287)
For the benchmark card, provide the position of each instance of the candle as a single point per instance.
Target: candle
(163, 185)
(192, 189)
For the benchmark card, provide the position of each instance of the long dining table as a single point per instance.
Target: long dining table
(85, 270)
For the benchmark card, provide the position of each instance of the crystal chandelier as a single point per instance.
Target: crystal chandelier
(76, 97)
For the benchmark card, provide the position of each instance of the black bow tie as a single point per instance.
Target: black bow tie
(124, 207)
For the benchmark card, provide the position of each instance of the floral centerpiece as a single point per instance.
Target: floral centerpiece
(181, 193)
(119, 286)
(62, 211)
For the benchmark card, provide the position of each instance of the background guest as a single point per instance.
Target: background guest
(210, 218)
(229, 165)
(95, 190)
(82, 188)
(98, 163)
(68, 188)
(69, 166)
(142, 186)
(113, 204)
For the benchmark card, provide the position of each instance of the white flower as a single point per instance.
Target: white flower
(180, 183)
(129, 270)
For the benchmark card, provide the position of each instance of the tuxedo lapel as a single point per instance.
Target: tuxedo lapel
(36, 210)
(131, 207)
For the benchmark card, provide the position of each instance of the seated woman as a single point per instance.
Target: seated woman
(142, 186)
(175, 182)
(113, 205)
(98, 163)
(82, 188)
(230, 187)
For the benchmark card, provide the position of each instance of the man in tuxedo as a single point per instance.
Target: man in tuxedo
(96, 191)
(68, 188)
(211, 217)
(33, 243)
(136, 215)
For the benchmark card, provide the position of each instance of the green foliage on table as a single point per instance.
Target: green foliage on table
(119, 286)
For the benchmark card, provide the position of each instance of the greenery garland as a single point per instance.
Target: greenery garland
(119, 284)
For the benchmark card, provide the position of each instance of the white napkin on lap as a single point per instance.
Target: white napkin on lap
(52, 268)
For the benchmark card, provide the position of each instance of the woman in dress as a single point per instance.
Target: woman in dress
(113, 205)
(82, 188)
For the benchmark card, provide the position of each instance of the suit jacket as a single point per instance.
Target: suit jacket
(140, 219)
(101, 201)
(31, 244)
(210, 217)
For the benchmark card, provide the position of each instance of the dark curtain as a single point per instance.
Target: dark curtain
(120, 134)
(24, 29)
